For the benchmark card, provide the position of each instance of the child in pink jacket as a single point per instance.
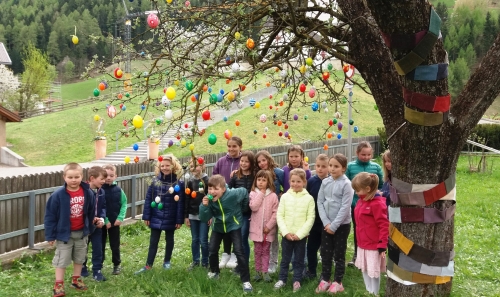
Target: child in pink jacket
(264, 205)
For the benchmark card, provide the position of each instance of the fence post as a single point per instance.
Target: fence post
(31, 220)
(134, 190)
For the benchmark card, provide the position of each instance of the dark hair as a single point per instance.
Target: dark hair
(267, 175)
(237, 140)
(295, 148)
(363, 144)
(251, 158)
(270, 162)
(341, 159)
(96, 171)
(217, 181)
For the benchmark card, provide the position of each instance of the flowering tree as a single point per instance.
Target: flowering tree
(8, 83)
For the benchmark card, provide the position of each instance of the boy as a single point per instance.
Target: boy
(116, 208)
(314, 238)
(69, 216)
(225, 207)
(97, 177)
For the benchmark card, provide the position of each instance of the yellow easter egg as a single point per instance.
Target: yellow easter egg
(302, 69)
(183, 142)
(170, 93)
(74, 39)
(257, 104)
(230, 96)
(306, 159)
(177, 82)
(237, 35)
(97, 118)
(137, 121)
(169, 1)
(191, 147)
(126, 159)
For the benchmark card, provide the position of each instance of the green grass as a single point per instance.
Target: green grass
(476, 245)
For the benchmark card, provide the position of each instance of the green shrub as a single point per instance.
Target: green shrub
(383, 138)
(490, 133)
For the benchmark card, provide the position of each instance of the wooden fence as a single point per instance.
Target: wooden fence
(23, 198)
(50, 107)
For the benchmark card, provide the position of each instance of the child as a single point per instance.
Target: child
(373, 229)
(265, 161)
(264, 205)
(314, 238)
(225, 207)
(295, 157)
(69, 217)
(116, 208)
(386, 167)
(363, 163)
(295, 219)
(164, 209)
(224, 166)
(334, 208)
(97, 177)
(243, 178)
(197, 184)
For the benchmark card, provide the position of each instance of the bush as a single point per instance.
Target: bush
(383, 138)
(490, 133)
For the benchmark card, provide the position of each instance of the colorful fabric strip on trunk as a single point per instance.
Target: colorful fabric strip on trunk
(420, 52)
(415, 277)
(429, 72)
(417, 252)
(421, 195)
(420, 215)
(425, 118)
(427, 102)
(408, 264)
(403, 42)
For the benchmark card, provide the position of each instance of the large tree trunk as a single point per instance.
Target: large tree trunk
(420, 155)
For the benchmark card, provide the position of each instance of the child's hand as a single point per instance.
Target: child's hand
(177, 226)
(209, 222)
(187, 222)
(233, 172)
(289, 237)
(146, 222)
(266, 230)
(327, 229)
(305, 165)
(295, 237)
(204, 201)
(118, 223)
(108, 225)
(52, 242)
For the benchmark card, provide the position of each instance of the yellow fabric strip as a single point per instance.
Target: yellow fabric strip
(400, 240)
(415, 277)
(423, 118)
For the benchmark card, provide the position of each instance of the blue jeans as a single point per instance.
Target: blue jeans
(199, 234)
(245, 232)
(96, 239)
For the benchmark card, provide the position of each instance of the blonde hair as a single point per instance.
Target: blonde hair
(363, 180)
(217, 181)
(300, 173)
(110, 167)
(387, 173)
(176, 166)
(72, 166)
(268, 176)
(322, 157)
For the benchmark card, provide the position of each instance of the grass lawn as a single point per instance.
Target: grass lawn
(476, 270)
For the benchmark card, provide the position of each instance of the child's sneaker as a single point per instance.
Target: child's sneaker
(247, 287)
(59, 290)
(280, 284)
(143, 269)
(166, 265)
(116, 270)
(266, 277)
(272, 268)
(78, 284)
(223, 260)
(335, 288)
(232, 263)
(213, 275)
(296, 286)
(257, 276)
(98, 277)
(85, 271)
(193, 266)
(323, 286)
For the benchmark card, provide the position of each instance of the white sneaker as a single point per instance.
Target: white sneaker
(280, 284)
(232, 263)
(272, 268)
(247, 287)
(223, 260)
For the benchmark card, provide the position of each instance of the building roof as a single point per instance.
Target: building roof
(4, 55)
(8, 116)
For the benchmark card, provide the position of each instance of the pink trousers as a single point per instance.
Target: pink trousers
(262, 254)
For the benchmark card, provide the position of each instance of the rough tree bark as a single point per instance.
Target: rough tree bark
(420, 155)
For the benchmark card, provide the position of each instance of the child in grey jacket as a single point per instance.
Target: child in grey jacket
(334, 208)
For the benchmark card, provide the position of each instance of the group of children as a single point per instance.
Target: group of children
(247, 197)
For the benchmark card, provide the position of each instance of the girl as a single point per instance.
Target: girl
(386, 167)
(334, 208)
(224, 166)
(243, 178)
(364, 153)
(295, 157)
(264, 205)
(295, 218)
(197, 186)
(266, 162)
(372, 229)
(164, 208)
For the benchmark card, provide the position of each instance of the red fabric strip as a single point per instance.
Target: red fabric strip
(427, 102)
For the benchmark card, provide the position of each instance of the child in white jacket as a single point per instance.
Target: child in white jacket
(264, 205)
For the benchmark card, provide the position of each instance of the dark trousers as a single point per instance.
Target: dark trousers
(153, 245)
(245, 232)
(227, 243)
(289, 248)
(354, 232)
(114, 243)
(313, 244)
(215, 241)
(333, 247)
(96, 239)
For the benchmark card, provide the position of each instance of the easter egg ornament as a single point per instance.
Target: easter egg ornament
(97, 118)
(263, 118)
(126, 159)
(237, 35)
(309, 61)
(171, 190)
(205, 115)
(160, 206)
(183, 142)
(153, 204)
(153, 20)
(191, 147)
(170, 93)
(302, 88)
(74, 39)
(228, 134)
(157, 199)
(250, 44)
(315, 106)
(189, 85)
(135, 146)
(118, 73)
(169, 114)
(210, 197)
(177, 188)
(137, 121)
(257, 104)
(176, 198)
(96, 92)
(356, 129)
(339, 136)
(212, 139)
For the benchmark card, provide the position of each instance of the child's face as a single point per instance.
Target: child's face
(261, 183)
(336, 170)
(296, 183)
(321, 168)
(73, 178)
(294, 159)
(244, 163)
(196, 170)
(111, 176)
(262, 162)
(233, 148)
(363, 191)
(365, 154)
(97, 182)
(387, 163)
(216, 192)
(166, 167)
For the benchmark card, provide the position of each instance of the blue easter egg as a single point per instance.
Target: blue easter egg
(196, 96)
(220, 98)
(356, 129)
(339, 136)
(225, 119)
(124, 108)
(210, 90)
(143, 106)
(251, 101)
(350, 93)
(135, 146)
(315, 106)
(177, 188)
(221, 91)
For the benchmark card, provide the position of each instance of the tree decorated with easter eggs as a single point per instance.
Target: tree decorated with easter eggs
(396, 48)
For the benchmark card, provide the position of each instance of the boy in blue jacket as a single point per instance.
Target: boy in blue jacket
(69, 217)
(97, 177)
